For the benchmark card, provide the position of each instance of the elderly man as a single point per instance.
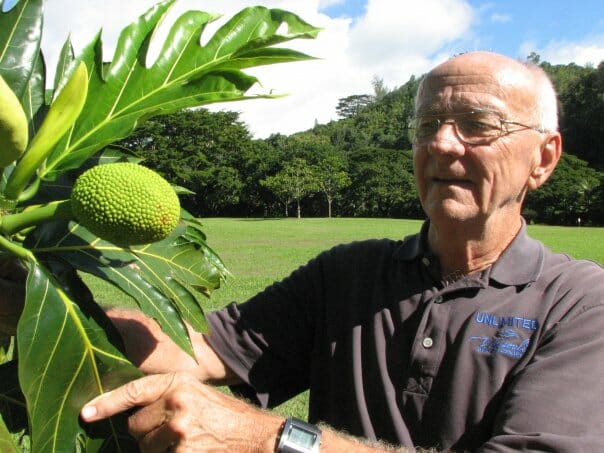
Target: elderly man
(466, 336)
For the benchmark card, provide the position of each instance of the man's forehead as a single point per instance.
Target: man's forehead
(480, 76)
(462, 82)
(451, 92)
(452, 86)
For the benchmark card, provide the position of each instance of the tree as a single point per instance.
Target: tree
(351, 105)
(254, 164)
(597, 211)
(379, 88)
(279, 185)
(382, 184)
(331, 178)
(570, 193)
(198, 150)
(294, 182)
(581, 100)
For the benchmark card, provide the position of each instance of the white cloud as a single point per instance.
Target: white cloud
(587, 51)
(394, 40)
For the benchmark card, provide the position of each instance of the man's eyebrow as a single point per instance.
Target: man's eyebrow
(456, 110)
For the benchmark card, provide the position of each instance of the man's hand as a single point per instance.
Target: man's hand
(150, 349)
(178, 413)
(147, 346)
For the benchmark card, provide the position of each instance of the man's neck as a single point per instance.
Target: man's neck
(467, 247)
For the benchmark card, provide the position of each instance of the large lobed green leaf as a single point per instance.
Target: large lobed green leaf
(20, 34)
(65, 359)
(168, 279)
(21, 62)
(186, 74)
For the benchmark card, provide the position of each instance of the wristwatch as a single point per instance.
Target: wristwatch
(298, 436)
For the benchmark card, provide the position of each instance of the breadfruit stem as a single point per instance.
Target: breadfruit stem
(35, 215)
(16, 249)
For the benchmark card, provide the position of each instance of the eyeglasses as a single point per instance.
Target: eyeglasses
(473, 128)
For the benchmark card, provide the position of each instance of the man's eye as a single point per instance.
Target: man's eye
(426, 127)
(477, 127)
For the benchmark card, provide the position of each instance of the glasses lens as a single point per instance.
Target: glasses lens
(423, 127)
(473, 127)
(477, 127)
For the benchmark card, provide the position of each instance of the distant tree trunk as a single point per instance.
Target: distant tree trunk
(329, 200)
(299, 210)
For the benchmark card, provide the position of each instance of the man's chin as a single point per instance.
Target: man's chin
(452, 211)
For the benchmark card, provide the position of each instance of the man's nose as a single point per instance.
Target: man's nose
(446, 140)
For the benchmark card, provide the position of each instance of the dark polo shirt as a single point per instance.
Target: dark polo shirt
(510, 359)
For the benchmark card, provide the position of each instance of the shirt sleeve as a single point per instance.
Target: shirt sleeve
(268, 340)
(556, 402)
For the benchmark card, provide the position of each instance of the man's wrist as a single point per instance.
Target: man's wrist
(273, 428)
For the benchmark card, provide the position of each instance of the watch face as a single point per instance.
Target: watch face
(301, 437)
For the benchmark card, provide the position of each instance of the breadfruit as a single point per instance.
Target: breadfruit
(125, 203)
(13, 126)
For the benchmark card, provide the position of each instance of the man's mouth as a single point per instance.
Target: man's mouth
(453, 182)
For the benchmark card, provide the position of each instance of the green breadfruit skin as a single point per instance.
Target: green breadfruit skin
(125, 203)
(13, 126)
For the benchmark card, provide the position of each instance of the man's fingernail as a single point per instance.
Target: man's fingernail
(88, 412)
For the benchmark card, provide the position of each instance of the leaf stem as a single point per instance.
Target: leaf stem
(30, 191)
(13, 223)
(16, 249)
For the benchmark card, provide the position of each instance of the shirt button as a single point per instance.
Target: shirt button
(438, 300)
(428, 342)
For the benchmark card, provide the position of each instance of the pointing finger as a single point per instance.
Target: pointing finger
(140, 392)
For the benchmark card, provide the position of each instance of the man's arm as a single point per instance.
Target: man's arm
(178, 412)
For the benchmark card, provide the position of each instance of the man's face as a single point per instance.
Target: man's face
(461, 182)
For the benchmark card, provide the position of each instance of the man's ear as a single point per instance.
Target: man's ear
(547, 159)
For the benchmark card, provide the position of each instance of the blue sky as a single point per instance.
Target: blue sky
(509, 26)
(361, 39)
(512, 26)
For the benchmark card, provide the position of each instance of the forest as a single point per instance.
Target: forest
(360, 165)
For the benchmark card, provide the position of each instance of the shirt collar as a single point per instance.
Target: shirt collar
(520, 264)
(414, 246)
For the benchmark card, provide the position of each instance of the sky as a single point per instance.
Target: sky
(361, 40)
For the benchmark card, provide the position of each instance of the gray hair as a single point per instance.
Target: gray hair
(546, 100)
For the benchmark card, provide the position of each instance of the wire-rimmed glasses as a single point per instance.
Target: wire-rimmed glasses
(476, 127)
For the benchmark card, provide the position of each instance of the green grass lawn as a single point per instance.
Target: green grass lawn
(258, 252)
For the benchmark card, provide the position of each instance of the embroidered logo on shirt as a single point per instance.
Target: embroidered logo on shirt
(507, 340)
(506, 321)
(502, 343)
